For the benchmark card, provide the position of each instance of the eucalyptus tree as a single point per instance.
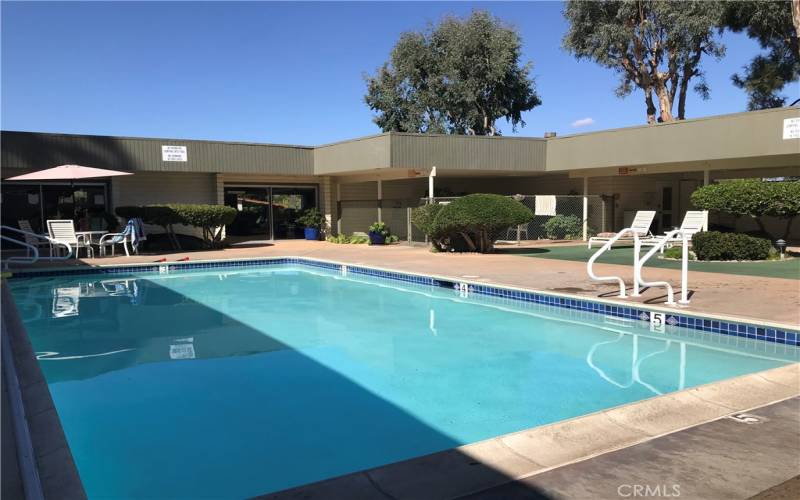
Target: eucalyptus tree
(776, 27)
(458, 77)
(655, 46)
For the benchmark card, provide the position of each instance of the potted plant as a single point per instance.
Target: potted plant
(378, 233)
(313, 221)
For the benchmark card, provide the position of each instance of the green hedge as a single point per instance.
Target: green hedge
(210, 218)
(713, 245)
(475, 219)
(752, 198)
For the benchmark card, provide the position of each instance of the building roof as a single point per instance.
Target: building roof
(739, 140)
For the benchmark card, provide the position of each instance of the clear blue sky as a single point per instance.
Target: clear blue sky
(276, 72)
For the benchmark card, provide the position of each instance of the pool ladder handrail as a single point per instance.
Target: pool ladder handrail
(33, 251)
(636, 269)
(661, 242)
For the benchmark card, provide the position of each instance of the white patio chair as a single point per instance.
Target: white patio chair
(63, 231)
(112, 239)
(30, 239)
(693, 222)
(641, 225)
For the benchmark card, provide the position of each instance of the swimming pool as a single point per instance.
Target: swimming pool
(236, 382)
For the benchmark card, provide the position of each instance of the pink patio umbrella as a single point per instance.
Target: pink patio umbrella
(70, 173)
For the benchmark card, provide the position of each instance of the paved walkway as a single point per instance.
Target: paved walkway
(754, 297)
(724, 459)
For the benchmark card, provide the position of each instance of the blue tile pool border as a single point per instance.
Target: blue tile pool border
(701, 323)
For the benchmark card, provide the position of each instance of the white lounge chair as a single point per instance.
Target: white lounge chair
(641, 225)
(693, 222)
(30, 239)
(63, 231)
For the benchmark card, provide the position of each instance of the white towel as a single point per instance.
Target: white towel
(545, 205)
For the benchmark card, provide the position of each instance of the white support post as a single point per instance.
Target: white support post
(431, 175)
(338, 208)
(585, 208)
(684, 270)
(706, 177)
(380, 200)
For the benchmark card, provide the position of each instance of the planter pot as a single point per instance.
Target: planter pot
(376, 238)
(311, 233)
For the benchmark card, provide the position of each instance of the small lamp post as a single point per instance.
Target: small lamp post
(781, 244)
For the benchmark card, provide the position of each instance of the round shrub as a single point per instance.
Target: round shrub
(713, 245)
(480, 218)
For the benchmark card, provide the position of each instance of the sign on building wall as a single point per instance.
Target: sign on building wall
(791, 128)
(173, 153)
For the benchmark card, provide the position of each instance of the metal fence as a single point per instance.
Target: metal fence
(570, 210)
(355, 216)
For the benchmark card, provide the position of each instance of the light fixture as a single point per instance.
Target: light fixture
(781, 244)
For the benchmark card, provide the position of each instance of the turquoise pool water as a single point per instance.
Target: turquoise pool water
(228, 384)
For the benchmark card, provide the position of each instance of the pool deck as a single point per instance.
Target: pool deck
(534, 463)
(774, 300)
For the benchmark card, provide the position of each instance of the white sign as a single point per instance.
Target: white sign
(791, 128)
(173, 153)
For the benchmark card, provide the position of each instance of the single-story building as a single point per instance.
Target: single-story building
(359, 181)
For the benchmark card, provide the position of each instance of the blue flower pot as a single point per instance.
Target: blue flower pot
(376, 238)
(311, 233)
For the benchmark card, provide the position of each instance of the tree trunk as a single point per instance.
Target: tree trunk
(796, 20)
(763, 228)
(684, 88)
(788, 220)
(664, 102)
(470, 244)
(651, 107)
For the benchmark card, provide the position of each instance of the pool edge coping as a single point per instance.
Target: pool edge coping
(56, 472)
(675, 310)
(499, 456)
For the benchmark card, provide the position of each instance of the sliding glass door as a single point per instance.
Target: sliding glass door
(268, 212)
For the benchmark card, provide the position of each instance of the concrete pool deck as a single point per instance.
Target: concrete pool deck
(774, 300)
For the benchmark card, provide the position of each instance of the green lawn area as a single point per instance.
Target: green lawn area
(788, 269)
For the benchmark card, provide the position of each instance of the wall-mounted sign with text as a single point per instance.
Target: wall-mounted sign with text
(173, 153)
(791, 128)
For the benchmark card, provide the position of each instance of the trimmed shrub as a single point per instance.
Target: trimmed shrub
(424, 219)
(479, 219)
(752, 198)
(210, 218)
(713, 245)
(563, 227)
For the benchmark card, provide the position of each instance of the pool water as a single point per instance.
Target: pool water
(229, 384)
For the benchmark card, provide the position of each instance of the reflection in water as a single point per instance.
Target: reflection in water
(636, 363)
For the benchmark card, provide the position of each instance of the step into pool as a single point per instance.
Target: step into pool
(228, 383)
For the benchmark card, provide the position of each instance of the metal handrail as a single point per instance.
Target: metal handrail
(28, 259)
(661, 241)
(636, 268)
(35, 257)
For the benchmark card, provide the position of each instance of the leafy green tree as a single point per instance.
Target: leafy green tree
(459, 77)
(655, 46)
(776, 27)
